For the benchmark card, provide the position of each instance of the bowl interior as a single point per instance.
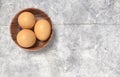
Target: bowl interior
(15, 28)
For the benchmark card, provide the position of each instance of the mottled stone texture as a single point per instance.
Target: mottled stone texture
(86, 41)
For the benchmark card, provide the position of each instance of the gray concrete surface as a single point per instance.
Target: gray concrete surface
(86, 41)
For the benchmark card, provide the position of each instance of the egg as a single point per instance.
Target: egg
(42, 29)
(26, 20)
(26, 38)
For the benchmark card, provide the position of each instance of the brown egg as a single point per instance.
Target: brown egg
(26, 20)
(42, 29)
(26, 38)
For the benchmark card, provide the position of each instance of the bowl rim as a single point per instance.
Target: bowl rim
(27, 49)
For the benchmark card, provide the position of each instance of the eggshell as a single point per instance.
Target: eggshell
(42, 29)
(26, 20)
(26, 38)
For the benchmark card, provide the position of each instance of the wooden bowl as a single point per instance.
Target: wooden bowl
(15, 28)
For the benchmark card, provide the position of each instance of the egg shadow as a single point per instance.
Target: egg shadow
(51, 45)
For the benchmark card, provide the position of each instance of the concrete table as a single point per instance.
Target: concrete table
(86, 41)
